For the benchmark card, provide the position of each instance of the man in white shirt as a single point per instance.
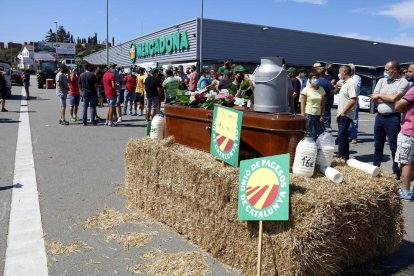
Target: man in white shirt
(346, 110)
(388, 90)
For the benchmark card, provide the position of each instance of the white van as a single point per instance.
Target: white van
(69, 62)
(5, 68)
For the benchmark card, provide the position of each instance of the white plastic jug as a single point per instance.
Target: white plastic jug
(157, 127)
(326, 149)
(305, 157)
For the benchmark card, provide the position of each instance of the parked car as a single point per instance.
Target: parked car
(363, 98)
(16, 78)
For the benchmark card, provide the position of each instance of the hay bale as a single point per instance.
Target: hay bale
(331, 226)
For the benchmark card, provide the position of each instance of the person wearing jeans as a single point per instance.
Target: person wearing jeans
(88, 84)
(346, 109)
(388, 90)
(89, 101)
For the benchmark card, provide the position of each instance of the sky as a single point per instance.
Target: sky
(374, 20)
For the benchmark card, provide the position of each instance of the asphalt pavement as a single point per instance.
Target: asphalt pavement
(79, 169)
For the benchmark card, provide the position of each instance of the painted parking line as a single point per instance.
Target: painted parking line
(25, 253)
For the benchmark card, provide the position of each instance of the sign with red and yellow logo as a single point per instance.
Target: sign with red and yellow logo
(264, 188)
(225, 135)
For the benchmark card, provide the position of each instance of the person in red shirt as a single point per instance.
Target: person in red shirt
(74, 95)
(110, 94)
(130, 85)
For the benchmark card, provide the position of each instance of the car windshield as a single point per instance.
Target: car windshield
(365, 91)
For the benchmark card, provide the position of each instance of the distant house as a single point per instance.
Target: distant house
(26, 58)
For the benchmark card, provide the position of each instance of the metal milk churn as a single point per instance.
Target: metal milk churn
(270, 93)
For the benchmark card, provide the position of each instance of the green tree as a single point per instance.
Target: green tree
(50, 36)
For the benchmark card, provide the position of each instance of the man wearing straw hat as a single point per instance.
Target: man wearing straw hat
(405, 143)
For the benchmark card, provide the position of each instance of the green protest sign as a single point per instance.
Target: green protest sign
(264, 188)
(225, 134)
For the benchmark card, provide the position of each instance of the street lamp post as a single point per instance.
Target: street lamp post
(201, 36)
(56, 39)
(107, 32)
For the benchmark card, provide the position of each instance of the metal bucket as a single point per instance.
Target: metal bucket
(270, 93)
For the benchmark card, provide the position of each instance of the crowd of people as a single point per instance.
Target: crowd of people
(393, 95)
(311, 94)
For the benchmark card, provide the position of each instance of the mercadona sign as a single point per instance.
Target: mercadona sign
(264, 188)
(174, 42)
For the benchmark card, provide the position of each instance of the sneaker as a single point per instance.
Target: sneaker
(4, 110)
(66, 123)
(73, 119)
(112, 124)
(406, 196)
(119, 120)
(131, 114)
(106, 122)
(354, 141)
(142, 114)
(77, 118)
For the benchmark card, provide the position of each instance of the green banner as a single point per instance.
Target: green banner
(225, 134)
(264, 188)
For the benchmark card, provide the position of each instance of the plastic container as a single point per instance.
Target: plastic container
(157, 127)
(305, 157)
(365, 167)
(270, 93)
(332, 174)
(326, 148)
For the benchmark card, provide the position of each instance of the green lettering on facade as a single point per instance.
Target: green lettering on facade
(176, 41)
(162, 45)
(151, 47)
(184, 41)
(139, 50)
(157, 47)
(168, 43)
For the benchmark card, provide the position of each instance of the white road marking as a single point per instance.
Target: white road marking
(25, 253)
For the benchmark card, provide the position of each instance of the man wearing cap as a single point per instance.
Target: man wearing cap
(240, 84)
(203, 81)
(225, 81)
(153, 90)
(388, 90)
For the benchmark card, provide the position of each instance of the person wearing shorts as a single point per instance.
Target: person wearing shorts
(404, 155)
(109, 83)
(74, 95)
(153, 91)
(62, 89)
(139, 92)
